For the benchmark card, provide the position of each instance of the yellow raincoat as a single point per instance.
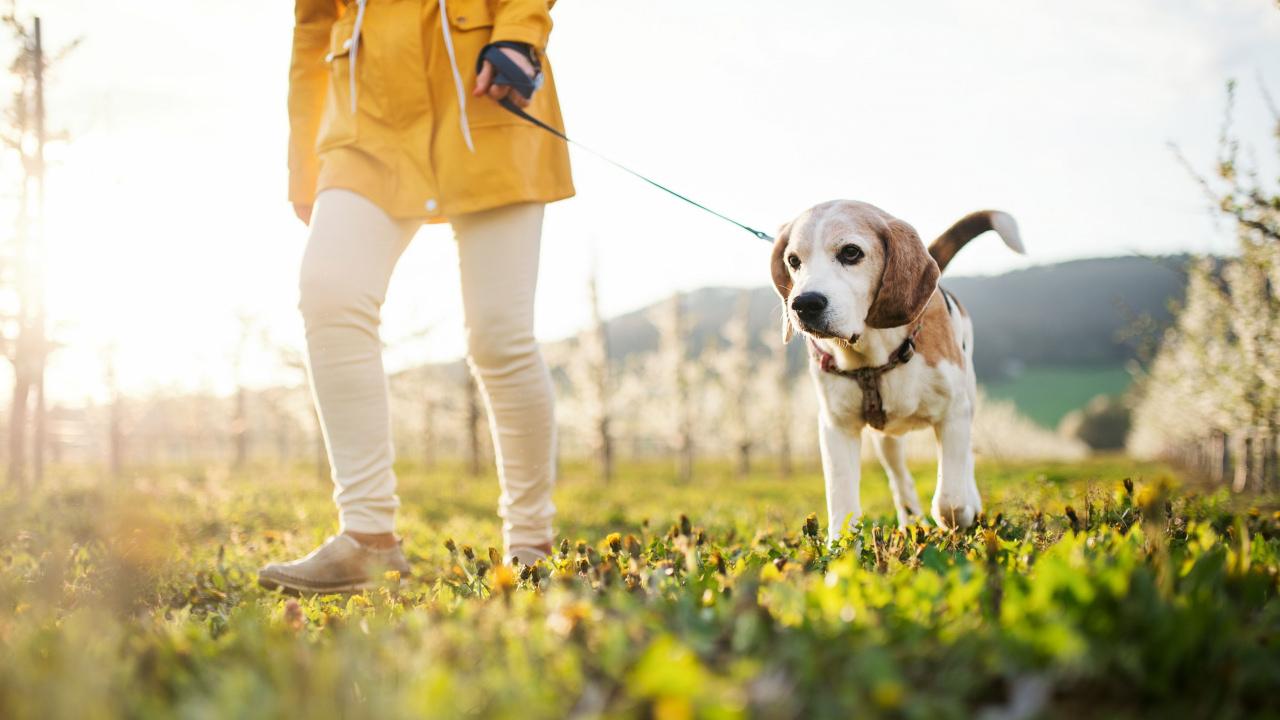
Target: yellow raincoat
(411, 137)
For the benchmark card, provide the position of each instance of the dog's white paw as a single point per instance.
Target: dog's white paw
(909, 516)
(955, 515)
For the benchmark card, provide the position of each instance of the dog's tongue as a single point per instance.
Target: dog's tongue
(825, 360)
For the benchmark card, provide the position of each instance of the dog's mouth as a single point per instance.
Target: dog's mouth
(825, 333)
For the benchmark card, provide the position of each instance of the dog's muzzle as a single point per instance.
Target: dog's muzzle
(809, 308)
(810, 311)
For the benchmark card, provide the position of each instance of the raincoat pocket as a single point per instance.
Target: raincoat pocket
(470, 15)
(338, 122)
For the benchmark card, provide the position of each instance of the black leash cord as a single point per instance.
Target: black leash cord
(516, 110)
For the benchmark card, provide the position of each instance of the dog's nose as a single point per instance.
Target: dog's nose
(809, 305)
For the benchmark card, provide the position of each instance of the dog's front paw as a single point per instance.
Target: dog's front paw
(909, 516)
(955, 515)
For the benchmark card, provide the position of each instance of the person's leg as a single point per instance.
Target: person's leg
(498, 258)
(352, 249)
(350, 254)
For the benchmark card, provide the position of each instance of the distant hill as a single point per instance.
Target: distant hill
(1071, 314)
(1075, 313)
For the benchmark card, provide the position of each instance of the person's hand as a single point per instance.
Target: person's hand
(484, 81)
(303, 212)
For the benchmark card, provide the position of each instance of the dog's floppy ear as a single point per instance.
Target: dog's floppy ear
(782, 278)
(909, 278)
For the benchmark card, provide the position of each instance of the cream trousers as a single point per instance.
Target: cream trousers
(352, 250)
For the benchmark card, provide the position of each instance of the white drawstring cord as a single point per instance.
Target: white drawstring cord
(355, 50)
(453, 64)
(457, 76)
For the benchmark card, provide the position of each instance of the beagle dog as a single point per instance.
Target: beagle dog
(888, 348)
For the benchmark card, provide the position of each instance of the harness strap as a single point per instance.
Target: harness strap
(868, 378)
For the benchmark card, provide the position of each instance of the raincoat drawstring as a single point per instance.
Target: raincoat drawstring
(453, 64)
(355, 51)
(457, 76)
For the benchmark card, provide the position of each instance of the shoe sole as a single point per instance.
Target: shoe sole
(299, 589)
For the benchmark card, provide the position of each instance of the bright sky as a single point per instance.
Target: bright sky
(167, 212)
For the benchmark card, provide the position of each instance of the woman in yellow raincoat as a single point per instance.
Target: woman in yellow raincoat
(391, 126)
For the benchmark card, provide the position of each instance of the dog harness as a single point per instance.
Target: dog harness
(868, 378)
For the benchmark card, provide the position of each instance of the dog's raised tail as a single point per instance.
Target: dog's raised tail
(971, 226)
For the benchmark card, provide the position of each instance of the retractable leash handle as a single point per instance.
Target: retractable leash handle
(508, 73)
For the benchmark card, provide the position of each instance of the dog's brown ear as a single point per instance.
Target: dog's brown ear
(782, 278)
(909, 278)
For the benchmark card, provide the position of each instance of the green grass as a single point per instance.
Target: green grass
(1047, 394)
(716, 599)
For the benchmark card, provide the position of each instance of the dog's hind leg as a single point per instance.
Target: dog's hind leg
(892, 451)
(842, 469)
(956, 502)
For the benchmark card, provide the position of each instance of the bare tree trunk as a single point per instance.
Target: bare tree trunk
(598, 379)
(672, 351)
(30, 349)
(115, 432)
(18, 415)
(240, 429)
(1269, 460)
(1240, 454)
(686, 444)
(1257, 459)
(735, 368)
(684, 465)
(1271, 478)
(605, 441)
(18, 427)
(283, 431)
(54, 443)
(1218, 458)
(428, 433)
(291, 359)
(782, 401)
(115, 437)
(473, 425)
(40, 438)
(323, 473)
(41, 349)
(1265, 453)
(240, 413)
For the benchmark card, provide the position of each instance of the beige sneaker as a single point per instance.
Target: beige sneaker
(340, 565)
(528, 554)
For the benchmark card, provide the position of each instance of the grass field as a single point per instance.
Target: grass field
(1047, 394)
(713, 599)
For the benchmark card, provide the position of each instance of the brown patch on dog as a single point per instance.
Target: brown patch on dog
(909, 278)
(778, 264)
(781, 276)
(936, 341)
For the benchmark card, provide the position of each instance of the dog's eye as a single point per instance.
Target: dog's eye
(793, 261)
(849, 254)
